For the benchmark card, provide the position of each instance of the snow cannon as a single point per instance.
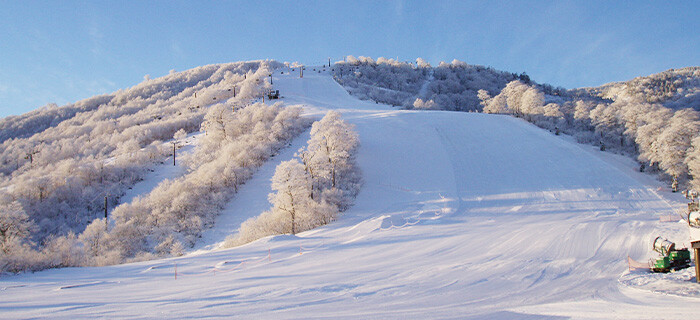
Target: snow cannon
(671, 259)
(663, 246)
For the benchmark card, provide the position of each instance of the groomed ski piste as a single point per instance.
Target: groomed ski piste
(461, 216)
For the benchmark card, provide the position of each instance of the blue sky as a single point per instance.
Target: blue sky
(64, 51)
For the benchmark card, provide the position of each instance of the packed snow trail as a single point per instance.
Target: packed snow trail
(461, 216)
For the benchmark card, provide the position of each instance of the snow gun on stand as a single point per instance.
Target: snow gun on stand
(671, 259)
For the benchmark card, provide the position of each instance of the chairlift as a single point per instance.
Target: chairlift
(273, 94)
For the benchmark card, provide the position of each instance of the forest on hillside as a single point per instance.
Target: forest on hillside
(60, 165)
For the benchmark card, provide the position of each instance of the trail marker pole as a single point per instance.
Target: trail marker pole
(173, 153)
(696, 247)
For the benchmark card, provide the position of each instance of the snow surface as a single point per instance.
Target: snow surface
(461, 216)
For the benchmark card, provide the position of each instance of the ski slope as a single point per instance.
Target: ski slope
(461, 216)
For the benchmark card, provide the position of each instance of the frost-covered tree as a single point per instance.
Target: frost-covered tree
(95, 238)
(419, 104)
(652, 124)
(15, 226)
(421, 63)
(675, 141)
(292, 186)
(64, 251)
(693, 162)
(335, 143)
(495, 104)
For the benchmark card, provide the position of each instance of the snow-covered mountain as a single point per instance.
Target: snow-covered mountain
(653, 118)
(461, 215)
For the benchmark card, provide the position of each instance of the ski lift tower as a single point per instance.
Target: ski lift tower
(694, 226)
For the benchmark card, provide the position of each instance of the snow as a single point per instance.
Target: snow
(461, 215)
(423, 92)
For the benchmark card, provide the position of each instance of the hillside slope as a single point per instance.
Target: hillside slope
(61, 166)
(462, 215)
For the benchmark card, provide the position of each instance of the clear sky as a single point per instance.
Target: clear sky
(64, 51)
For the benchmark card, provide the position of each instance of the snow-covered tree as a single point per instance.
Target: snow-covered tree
(336, 142)
(421, 63)
(675, 141)
(693, 162)
(292, 186)
(15, 226)
(95, 238)
(419, 104)
(648, 133)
